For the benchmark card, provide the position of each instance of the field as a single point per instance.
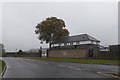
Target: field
(88, 61)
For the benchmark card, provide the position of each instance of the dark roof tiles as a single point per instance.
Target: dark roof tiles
(77, 38)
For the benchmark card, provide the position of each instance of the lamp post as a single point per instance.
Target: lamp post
(40, 50)
(16, 52)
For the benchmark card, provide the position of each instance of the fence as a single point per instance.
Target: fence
(107, 55)
(22, 55)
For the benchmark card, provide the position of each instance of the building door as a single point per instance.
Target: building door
(90, 54)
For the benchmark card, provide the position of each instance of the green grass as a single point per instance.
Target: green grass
(89, 61)
(2, 65)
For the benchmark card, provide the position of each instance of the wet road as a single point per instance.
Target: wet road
(27, 68)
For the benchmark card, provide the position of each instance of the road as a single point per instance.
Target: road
(27, 68)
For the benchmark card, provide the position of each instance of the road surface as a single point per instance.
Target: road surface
(27, 68)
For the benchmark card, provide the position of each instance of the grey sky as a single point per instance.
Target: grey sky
(0, 23)
(99, 20)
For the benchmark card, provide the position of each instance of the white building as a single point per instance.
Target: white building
(77, 40)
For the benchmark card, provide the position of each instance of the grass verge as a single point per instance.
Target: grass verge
(88, 61)
(2, 66)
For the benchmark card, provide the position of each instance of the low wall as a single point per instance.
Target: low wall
(107, 55)
(82, 53)
(68, 53)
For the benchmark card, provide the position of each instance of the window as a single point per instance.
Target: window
(62, 44)
(74, 43)
(68, 43)
(52, 45)
(85, 42)
(56, 45)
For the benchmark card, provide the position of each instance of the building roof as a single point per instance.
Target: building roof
(77, 38)
(115, 45)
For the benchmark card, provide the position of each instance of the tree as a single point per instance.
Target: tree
(51, 30)
(20, 52)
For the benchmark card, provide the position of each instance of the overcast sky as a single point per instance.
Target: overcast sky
(99, 20)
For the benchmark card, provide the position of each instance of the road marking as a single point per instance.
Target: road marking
(61, 65)
(86, 69)
(69, 67)
(107, 74)
(73, 67)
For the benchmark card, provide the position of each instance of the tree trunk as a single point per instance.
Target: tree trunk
(47, 53)
(40, 52)
(49, 45)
